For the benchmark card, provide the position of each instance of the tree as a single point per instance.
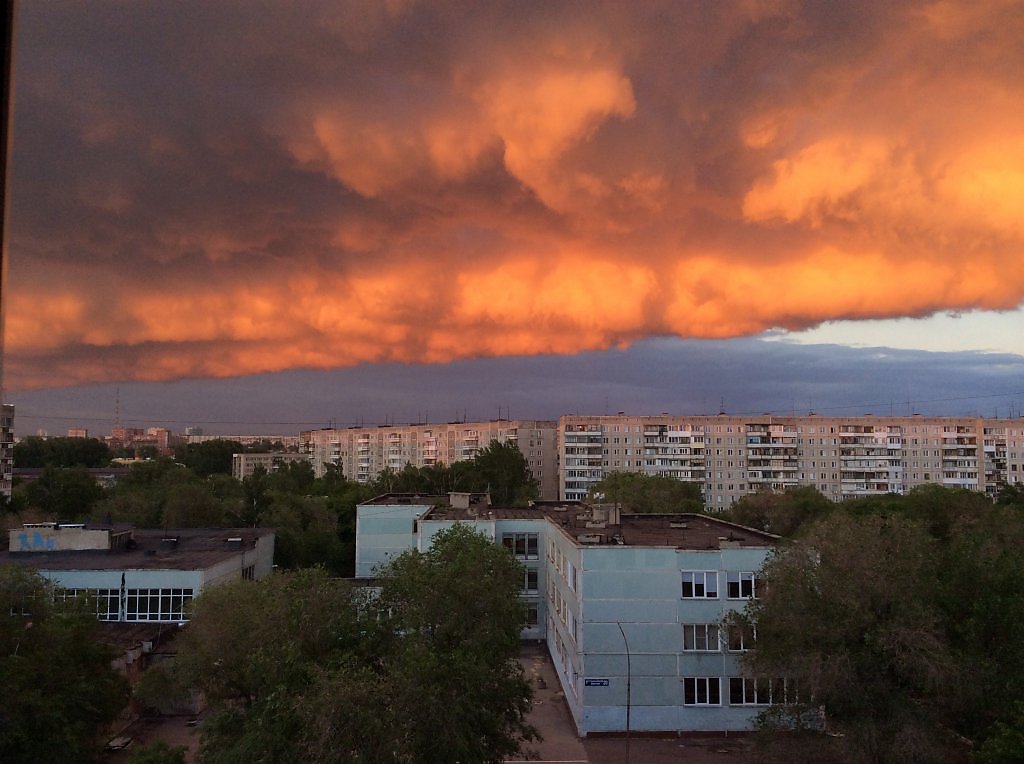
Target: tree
(300, 667)
(780, 513)
(846, 616)
(449, 621)
(209, 457)
(502, 469)
(64, 493)
(902, 618)
(640, 493)
(58, 688)
(34, 451)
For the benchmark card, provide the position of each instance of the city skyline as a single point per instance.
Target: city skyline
(409, 211)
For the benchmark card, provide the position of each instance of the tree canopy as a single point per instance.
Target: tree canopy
(58, 688)
(303, 668)
(640, 493)
(900, 621)
(35, 451)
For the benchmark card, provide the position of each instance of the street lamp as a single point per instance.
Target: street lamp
(629, 678)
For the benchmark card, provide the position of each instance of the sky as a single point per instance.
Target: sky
(268, 214)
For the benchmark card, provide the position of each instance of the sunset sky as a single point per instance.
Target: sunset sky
(259, 214)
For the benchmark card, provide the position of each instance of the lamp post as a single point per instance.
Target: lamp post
(629, 678)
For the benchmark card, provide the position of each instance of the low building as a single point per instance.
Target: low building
(139, 575)
(633, 608)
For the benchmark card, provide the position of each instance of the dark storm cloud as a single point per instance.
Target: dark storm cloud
(212, 189)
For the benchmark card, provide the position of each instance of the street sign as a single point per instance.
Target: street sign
(595, 682)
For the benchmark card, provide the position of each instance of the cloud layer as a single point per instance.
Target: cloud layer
(204, 190)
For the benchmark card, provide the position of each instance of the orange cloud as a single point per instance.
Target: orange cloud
(422, 183)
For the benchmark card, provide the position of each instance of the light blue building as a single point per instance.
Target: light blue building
(140, 575)
(632, 607)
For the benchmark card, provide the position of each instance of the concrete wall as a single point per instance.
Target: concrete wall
(633, 613)
(384, 531)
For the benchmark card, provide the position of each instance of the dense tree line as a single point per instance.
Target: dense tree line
(61, 452)
(896, 623)
(59, 690)
(303, 668)
(314, 518)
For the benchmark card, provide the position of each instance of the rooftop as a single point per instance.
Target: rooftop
(147, 549)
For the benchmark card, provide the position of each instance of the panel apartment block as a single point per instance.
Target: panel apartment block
(843, 457)
(363, 452)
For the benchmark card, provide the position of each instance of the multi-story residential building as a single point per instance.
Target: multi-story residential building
(288, 442)
(6, 450)
(633, 608)
(243, 465)
(843, 457)
(363, 452)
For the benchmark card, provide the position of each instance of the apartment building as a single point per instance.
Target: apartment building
(363, 452)
(6, 449)
(243, 465)
(632, 607)
(843, 457)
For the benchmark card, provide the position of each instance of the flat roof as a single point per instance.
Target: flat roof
(195, 549)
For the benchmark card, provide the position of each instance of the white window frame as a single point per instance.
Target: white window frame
(741, 585)
(705, 581)
(519, 544)
(706, 634)
(697, 687)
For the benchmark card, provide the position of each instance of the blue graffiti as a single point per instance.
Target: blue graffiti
(37, 544)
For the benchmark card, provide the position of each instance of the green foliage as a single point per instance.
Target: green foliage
(1006, 743)
(209, 457)
(64, 493)
(159, 753)
(58, 688)
(902, 617)
(780, 513)
(300, 667)
(499, 468)
(161, 493)
(61, 452)
(640, 493)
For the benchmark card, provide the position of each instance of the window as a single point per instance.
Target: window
(700, 584)
(701, 637)
(740, 585)
(108, 601)
(532, 617)
(702, 691)
(522, 545)
(530, 581)
(744, 691)
(749, 692)
(156, 604)
(741, 637)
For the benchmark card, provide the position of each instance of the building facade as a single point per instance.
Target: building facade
(633, 609)
(140, 575)
(363, 452)
(6, 450)
(243, 465)
(842, 457)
